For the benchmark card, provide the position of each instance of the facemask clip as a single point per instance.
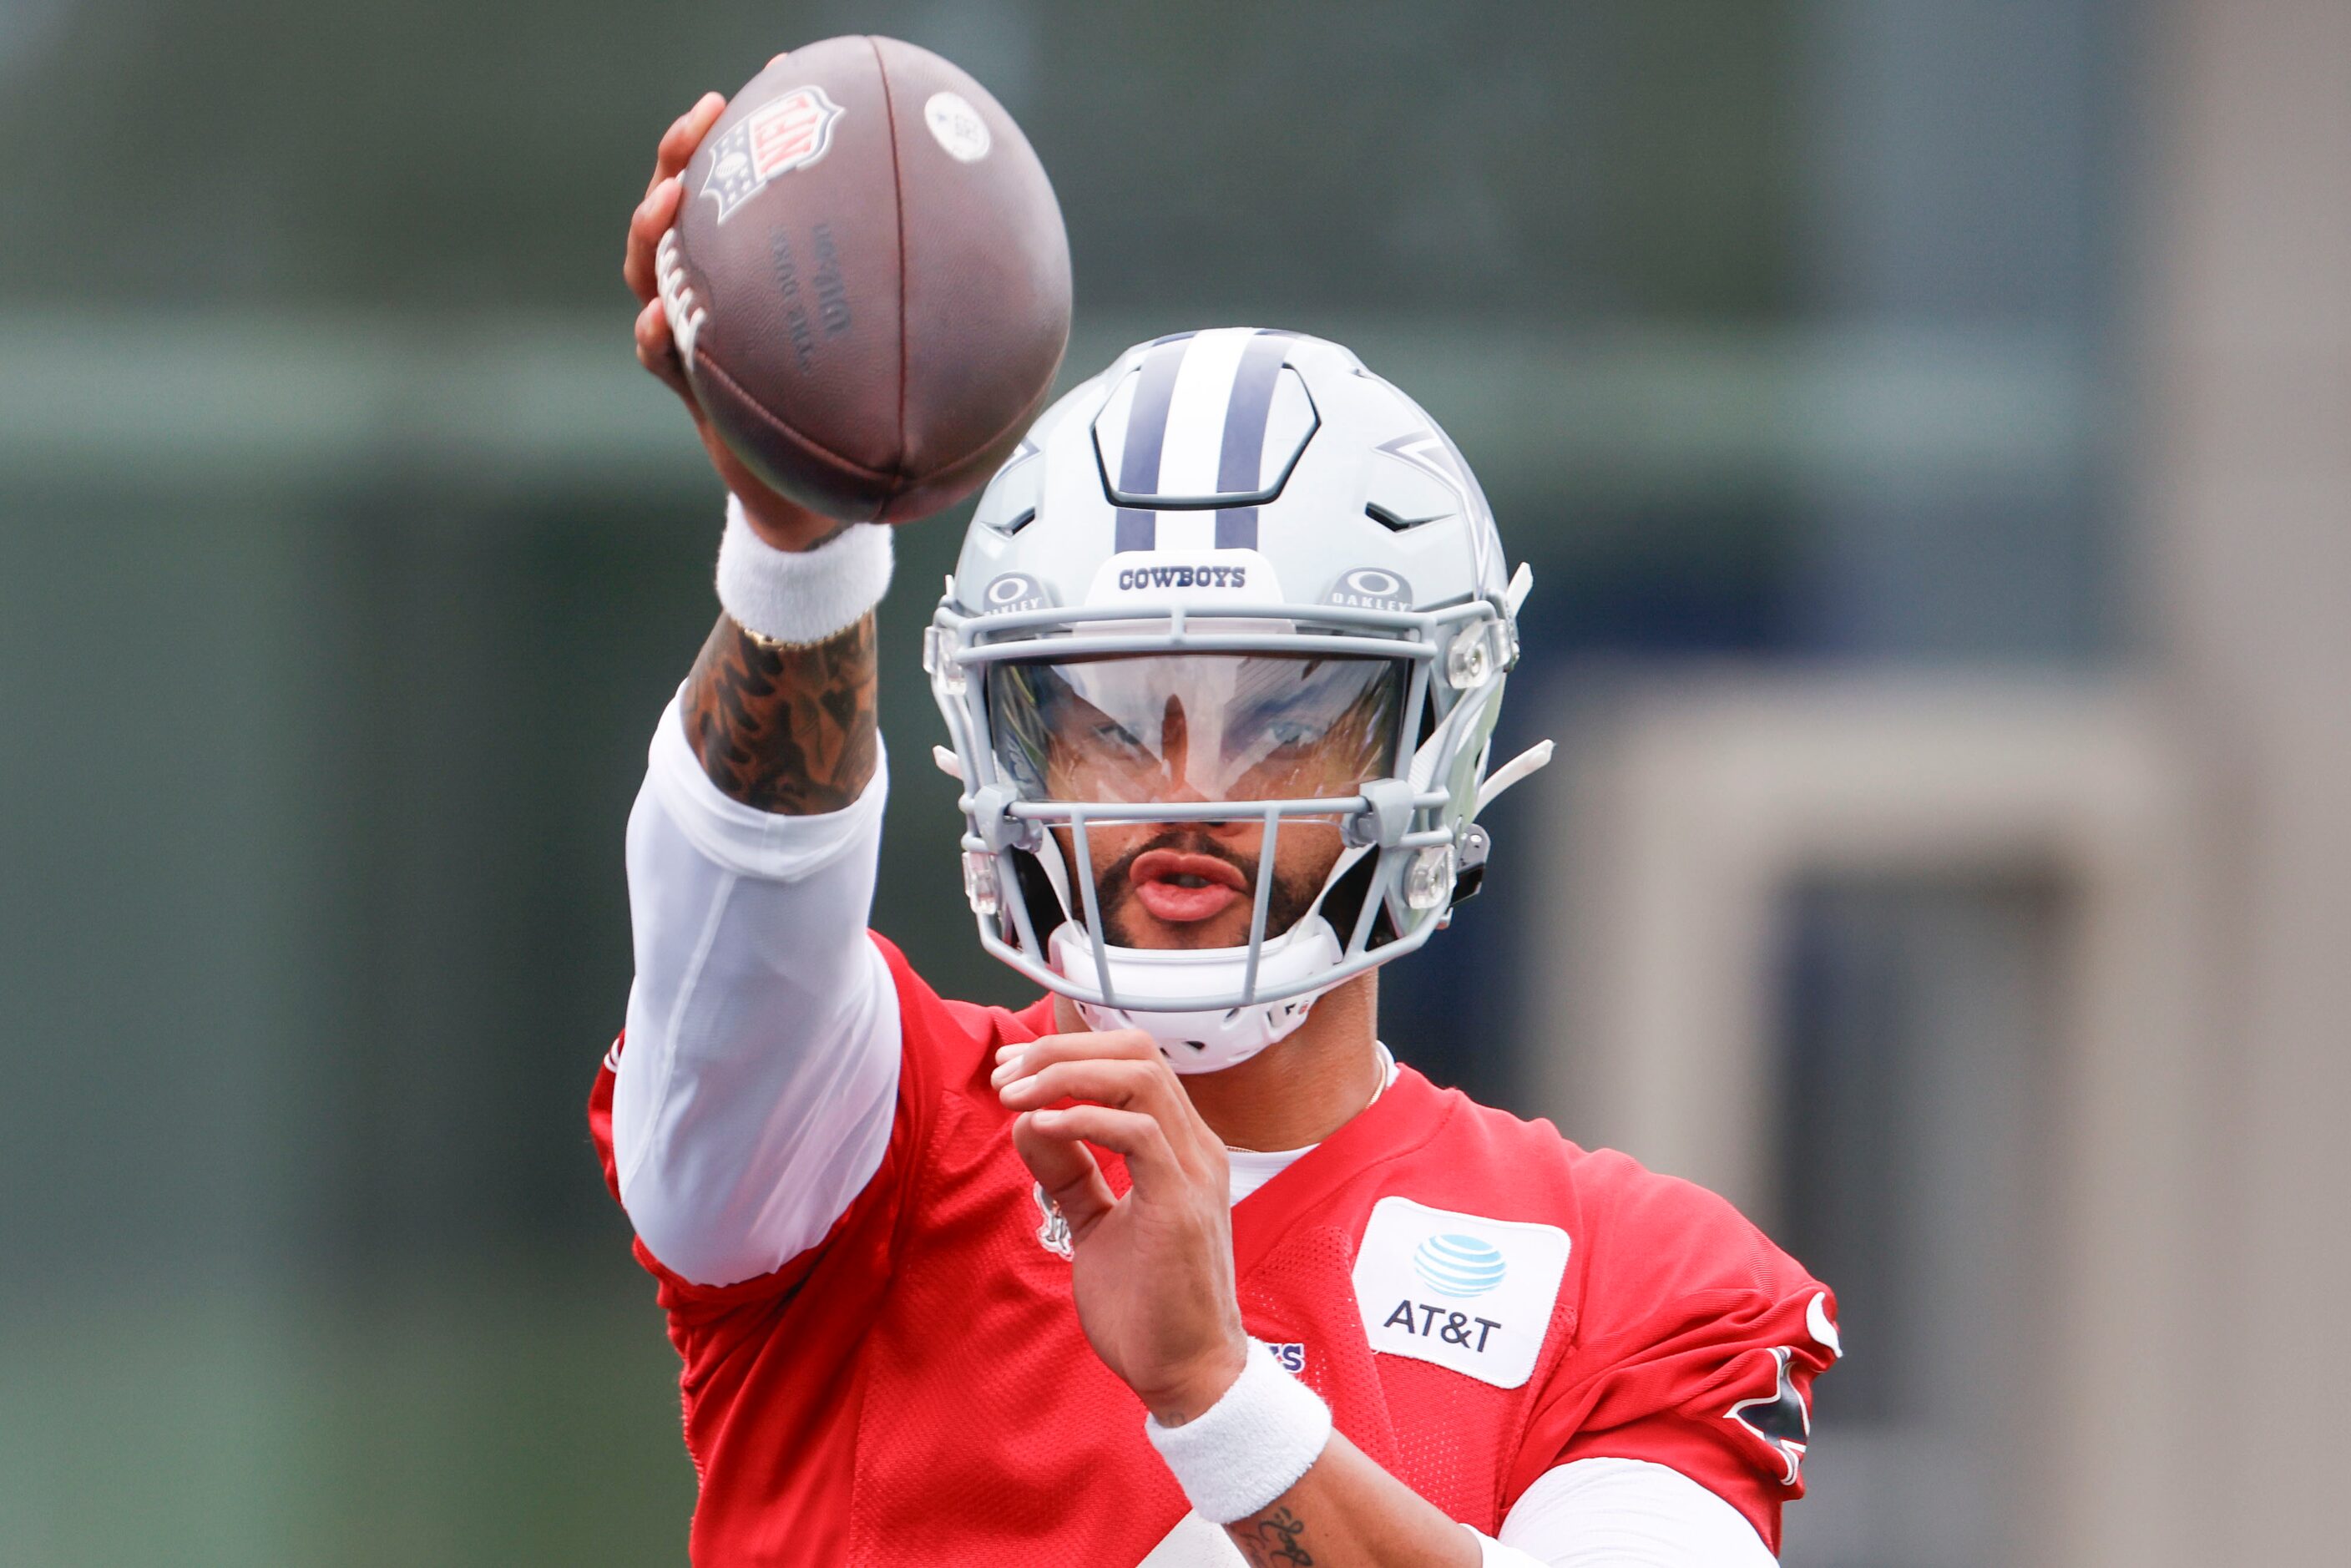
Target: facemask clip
(1387, 820)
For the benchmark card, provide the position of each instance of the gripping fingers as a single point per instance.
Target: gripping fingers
(684, 135)
(1116, 1045)
(658, 209)
(1139, 1138)
(1065, 1169)
(651, 220)
(657, 351)
(1126, 1083)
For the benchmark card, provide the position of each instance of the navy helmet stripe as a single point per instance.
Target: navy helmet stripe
(1146, 435)
(1245, 413)
(1147, 418)
(1240, 451)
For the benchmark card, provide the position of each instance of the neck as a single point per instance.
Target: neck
(1301, 1089)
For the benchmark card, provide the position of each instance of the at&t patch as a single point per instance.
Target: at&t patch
(1461, 1291)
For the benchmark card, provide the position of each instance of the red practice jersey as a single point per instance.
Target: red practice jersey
(1476, 1298)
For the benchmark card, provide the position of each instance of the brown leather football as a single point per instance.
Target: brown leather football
(868, 280)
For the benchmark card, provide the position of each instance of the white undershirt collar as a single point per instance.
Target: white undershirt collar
(1252, 1168)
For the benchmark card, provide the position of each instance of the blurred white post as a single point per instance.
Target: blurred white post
(1695, 806)
(2246, 318)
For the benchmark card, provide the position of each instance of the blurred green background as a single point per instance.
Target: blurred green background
(346, 559)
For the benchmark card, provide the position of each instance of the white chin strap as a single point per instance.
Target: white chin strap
(1198, 1039)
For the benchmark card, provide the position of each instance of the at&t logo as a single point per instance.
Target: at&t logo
(1460, 1266)
(1470, 1292)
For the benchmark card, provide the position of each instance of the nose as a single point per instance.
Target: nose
(1182, 791)
(1175, 748)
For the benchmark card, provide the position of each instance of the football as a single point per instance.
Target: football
(868, 281)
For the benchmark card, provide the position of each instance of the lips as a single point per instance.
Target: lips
(1183, 888)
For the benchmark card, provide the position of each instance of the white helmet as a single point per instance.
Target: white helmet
(1220, 504)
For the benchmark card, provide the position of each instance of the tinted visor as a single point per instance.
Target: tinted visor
(1194, 727)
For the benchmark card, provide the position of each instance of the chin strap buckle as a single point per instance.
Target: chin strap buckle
(1469, 873)
(1477, 845)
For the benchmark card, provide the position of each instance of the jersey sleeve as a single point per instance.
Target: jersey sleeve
(1628, 1513)
(937, 1047)
(1695, 1348)
(754, 1098)
(770, 1365)
(779, 1354)
(764, 1115)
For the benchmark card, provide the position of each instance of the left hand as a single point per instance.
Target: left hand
(1152, 1272)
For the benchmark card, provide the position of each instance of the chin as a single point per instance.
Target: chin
(1135, 928)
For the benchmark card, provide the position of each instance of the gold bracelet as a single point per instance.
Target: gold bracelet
(765, 644)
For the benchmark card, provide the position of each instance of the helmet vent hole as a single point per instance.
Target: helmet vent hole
(1018, 522)
(1389, 520)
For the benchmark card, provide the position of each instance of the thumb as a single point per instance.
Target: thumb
(1065, 1169)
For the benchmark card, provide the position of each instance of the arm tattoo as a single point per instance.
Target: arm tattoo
(788, 730)
(1271, 1540)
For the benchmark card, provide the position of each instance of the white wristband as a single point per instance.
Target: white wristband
(801, 597)
(1250, 1446)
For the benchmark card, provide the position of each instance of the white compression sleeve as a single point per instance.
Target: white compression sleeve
(1591, 1513)
(756, 1092)
(1492, 1553)
(1628, 1513)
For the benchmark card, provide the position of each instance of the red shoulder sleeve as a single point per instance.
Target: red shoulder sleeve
(942, 1045)
(1695, 1346)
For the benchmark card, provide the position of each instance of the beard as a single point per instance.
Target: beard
(1286, 905)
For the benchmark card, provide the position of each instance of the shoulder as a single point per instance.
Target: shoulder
(953, 1044)
(1443, 1141)
(1656, 1237)
(1659, 1227)
(1682, 1335)
(1633, 1264)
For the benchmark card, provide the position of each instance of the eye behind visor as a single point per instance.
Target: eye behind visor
(1194, 727)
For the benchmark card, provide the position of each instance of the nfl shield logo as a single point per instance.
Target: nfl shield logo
(790, 133)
